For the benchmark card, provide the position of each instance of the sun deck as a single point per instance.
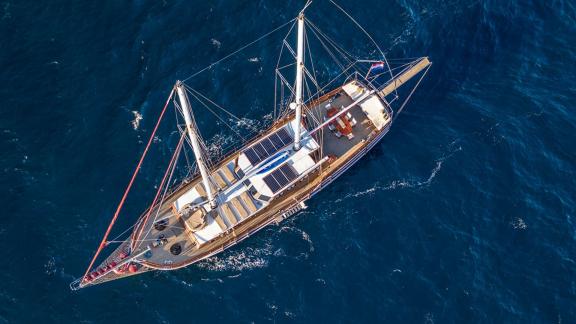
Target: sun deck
(370, 115)
(338, 146)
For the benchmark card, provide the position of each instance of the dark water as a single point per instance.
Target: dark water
(463, 213)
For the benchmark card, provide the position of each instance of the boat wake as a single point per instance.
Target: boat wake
(303, 235)
(50, 266)
(137, 119)
(519, 224)
(253, 258)
(253, 125)
(405, 184)
(239, 260)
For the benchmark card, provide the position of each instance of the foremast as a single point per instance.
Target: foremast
(193, 135)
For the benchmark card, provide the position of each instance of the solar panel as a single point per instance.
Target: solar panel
(289, 172)
(272, 184)
(284, 135)
(260, 151)
(280, 177)
(268, 146)
(251, 155)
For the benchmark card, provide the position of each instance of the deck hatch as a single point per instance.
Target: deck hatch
(280, 177)
(268, 146)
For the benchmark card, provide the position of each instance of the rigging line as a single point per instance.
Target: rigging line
(312, 79)
(306, 90)
(361, 28)
(150, 140)
(309, 2)
(282, 100)
(376, 76)
(286, 66)
(142, 220)
(205, 148)
(238, 50)
(197, 205)
(326, 48)
(188, 164)
(406, 68)
(311, 94)
(370, 37)
(369, 61)
(212, 102)
(320, 36)
(148, 240)
(287, 45)
(201, 141)
(338, 76)
(404, 59)
(167, 184)
(179, 109)
(412, 92)
(347, 56)
(343, 53)
(216, 115)
(139, 221)
(285, 42)
(126, 231)
(400, 66)
(277, 110)
(275, 96)
(311, 59)
(169, 170)
(285, 82)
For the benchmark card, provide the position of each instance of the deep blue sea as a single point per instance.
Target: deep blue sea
(464, 213)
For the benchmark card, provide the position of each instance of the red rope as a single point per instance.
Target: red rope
(162, 183)
(103, 243)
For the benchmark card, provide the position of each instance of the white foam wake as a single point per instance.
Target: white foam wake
(238, 260)
(402, 184)
(137, 119)
(305, 237)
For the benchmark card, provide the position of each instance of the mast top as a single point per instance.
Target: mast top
(301, 14)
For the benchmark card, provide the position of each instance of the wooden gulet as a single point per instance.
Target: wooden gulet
(271, 176)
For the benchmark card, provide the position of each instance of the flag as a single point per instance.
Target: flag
(376, 67)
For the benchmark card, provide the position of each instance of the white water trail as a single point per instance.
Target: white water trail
(137, 119)
(402, 184)
(238, 260)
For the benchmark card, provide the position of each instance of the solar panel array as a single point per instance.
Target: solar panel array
(280, 177)
(268, 146)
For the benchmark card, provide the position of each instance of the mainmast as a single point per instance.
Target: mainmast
(299, 75)
(193, 134)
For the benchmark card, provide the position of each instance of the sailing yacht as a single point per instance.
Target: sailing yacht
(316, 136)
